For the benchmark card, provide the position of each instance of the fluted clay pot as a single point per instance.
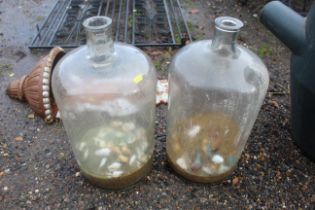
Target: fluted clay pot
(35, 88)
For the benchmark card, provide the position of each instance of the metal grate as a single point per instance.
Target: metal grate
(139, 22)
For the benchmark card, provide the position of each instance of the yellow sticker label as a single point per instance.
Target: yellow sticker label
(137, 79)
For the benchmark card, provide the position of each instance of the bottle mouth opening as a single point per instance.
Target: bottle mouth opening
(97, 22)
(229, 24)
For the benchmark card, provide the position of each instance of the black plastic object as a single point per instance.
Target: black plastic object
(298, 34)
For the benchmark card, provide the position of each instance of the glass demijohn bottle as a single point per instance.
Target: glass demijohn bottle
(105, 92)
(216, 90)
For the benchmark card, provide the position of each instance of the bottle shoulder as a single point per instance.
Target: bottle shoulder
(124, 56)
(129, 66)
(200, 53)
(198, 65)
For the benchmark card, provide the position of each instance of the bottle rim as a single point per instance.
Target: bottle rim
(229, 24)
(97, 22)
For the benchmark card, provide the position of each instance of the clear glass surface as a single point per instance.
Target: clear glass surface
(105, 92)
(216, 90)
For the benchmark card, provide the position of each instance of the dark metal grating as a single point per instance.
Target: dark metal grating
(138, 22)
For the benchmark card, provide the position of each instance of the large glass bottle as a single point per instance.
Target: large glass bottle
(216, 90)
(105, 92)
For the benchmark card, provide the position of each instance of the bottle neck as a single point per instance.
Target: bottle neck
(224, 41)
(226, 33)
(99, 40)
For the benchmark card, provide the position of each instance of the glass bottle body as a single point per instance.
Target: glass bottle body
(107, 107)
(216, 90)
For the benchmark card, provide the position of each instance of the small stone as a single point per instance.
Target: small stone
(5, 188)
(275, 104)
(143, 158)
(102, 163)
(193, 131)
(206, 170)
(31, 116)
(132, 160)
(235, 181)
(61, 156)
(123, 159)
(278, 174)
(1, 173)
(37, 191)
(114, 166)
(103, 152)
(214, 168)
(226, 131)
(181, 163)
(66, 199)
(18, 138)
(217, 159)
(255, 15)
(125, 150)
(116, 150)
(117, 173)
(77, 174)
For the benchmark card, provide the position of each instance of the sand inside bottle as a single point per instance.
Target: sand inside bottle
(203, 148)
(114, 155)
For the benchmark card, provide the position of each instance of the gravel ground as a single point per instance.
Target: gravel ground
(38, 170)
